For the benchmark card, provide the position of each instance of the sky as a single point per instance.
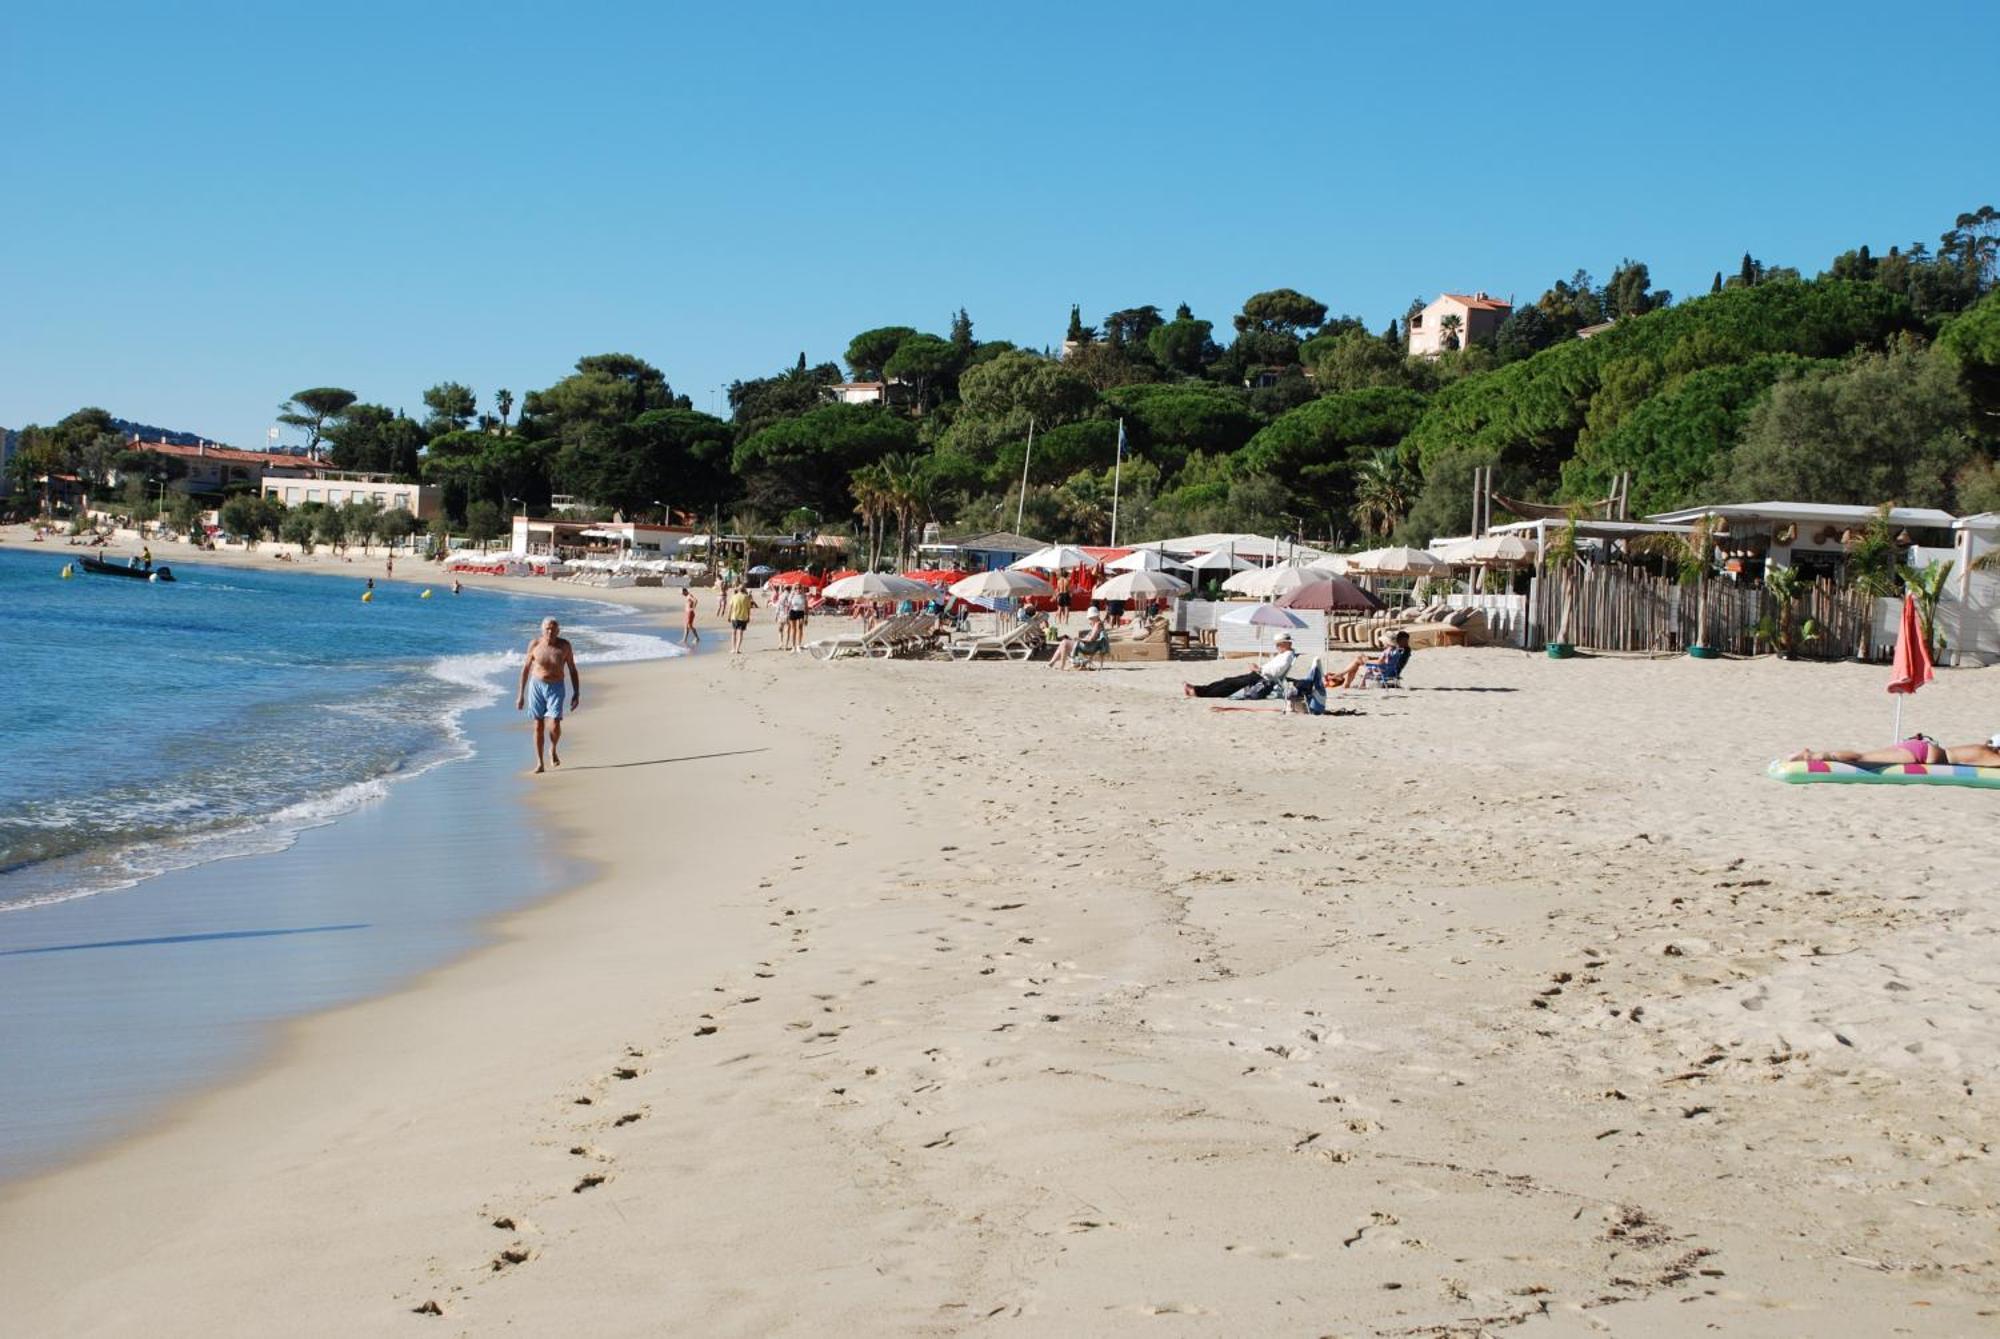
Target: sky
(205, 207)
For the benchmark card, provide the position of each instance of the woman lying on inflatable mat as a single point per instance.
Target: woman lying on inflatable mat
(1922, 749)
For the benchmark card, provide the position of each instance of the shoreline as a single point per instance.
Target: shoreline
(1519, 993)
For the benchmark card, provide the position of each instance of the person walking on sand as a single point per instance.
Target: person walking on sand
(689, 636)
(738, 610)
(549, 656)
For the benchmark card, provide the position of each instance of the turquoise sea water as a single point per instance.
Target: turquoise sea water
(238, 798)
(163, 725)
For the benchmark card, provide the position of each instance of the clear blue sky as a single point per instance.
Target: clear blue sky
(205, 207)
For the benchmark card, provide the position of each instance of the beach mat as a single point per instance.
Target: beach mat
(1883, 774)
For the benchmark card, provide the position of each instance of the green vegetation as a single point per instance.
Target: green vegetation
(1877, 380)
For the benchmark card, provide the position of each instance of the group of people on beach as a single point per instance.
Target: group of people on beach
(1273, 677)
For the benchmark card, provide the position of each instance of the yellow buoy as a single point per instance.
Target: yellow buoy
(426, 595)
(69, 570)
(367, 597)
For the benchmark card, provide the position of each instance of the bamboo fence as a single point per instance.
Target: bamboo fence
(1623, 609)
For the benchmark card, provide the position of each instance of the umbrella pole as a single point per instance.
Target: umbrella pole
(1898, 735)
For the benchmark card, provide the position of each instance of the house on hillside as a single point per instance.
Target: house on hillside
(340, 488)
(864, 392)
(1478, 316)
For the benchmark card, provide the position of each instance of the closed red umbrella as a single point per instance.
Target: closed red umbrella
(1911, 667)
(1334, 593)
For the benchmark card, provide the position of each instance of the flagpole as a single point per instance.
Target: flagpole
(1117, 467)
(1021, 507)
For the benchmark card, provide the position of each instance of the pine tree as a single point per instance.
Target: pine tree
(961, 332)
(1747, 275)
(1184, 313)
(1075, 335)
(1716, 287)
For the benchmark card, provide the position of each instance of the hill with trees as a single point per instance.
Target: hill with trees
(1876, 379)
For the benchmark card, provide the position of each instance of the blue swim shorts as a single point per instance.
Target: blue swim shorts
(545, 700)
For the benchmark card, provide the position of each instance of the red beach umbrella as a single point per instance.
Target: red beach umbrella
(937, 576)
(1911, 668)
(798, 578)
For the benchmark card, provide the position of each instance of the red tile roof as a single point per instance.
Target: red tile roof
(1479, 302)
(228, 455)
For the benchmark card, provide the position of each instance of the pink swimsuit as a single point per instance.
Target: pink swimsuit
(1919, 749)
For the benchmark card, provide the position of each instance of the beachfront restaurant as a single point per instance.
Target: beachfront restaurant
(552, 536)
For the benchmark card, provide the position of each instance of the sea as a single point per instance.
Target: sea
(242, 796)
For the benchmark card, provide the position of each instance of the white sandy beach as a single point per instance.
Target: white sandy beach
(926, 999)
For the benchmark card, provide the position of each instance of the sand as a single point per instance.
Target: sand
(924, 998)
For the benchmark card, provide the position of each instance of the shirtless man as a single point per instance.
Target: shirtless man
(548, 656)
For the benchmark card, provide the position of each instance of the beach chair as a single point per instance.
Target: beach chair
(917, 637)
(1147, 641)
(1019, 644)
(1457, 628)
(1379, 675)
(879, 640)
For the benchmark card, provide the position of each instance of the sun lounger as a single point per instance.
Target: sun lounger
(880, 640)
(1020, 644)
(1458, 628)
(1147, 641)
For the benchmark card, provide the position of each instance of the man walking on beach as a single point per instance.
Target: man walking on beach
(549, 655)
(739, 618)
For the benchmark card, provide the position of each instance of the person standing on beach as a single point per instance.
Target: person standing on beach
(738, 609)
(795, 609)
(549, 656)
(689, 636)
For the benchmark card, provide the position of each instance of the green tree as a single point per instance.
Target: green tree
(452, 406)
(242, 518)
(1316, 449)
(299, 527)
(311, 410)
(806, 461)
(1167, 423)
(1971, 342)
(762, 401)
(1882, 426)
(1280, 311)
(503, 400)
(330, 527)
(921, 363)
(870, 351)
(1184, 344)
(484, 521)
(1630, 293)
(1451, 323)
(605, 390)
(376, 439)
(675, 456)
(397, 524)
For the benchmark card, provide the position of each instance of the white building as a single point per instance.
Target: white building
(1479, 316)
(336, 488)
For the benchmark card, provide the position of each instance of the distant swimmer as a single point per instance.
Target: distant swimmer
(549, 655)
(456, 586)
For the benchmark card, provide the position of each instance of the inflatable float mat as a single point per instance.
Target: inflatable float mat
(1885, 774)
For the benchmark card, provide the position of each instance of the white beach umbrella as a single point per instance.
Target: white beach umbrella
(1216, 560)
(1399, 561)
(1139, 585)
(1005, 584)
(876, 586)
(1263, 582)
(1143, 560)
(1264, 616)
(1498, 551)
(1332, 564)
(1054, 558)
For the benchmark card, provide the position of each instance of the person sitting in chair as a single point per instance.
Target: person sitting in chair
(1381, 668)
(1269, 676)
(1072, 651)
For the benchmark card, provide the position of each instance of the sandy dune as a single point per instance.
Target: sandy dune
(917, 998)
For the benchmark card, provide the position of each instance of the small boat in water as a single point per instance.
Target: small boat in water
(105, 569)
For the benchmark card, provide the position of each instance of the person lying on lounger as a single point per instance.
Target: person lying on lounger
(1388, 665)
(1920, 749)
(1268, 676)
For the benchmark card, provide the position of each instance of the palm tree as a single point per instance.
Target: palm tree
(1928, 585)
(870, 487)
(903, 473)
(503, 400)
(1381, 494)
(1450, 326)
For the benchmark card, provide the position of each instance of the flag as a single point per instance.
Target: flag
(1121, 439)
